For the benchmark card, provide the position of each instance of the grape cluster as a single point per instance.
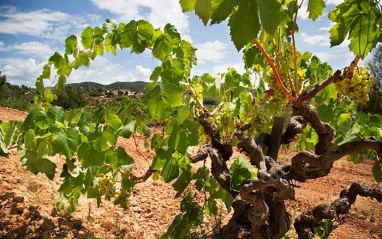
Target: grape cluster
(198, 89)
(358, 87)
(223, 117)
(122, 199)
(285, 61)
(106, 185)
(259, 122)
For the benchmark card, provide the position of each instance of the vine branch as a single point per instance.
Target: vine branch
(278, 79)
(310, 219)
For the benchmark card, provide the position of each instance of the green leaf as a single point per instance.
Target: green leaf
(156, 141)
(137, 35)
(46, 72)
(40, 85)
(182, 182)
(253, 57)
(344, 123)
(326, 112)
(45, 166)
(88, 156)
(41, 120)
(163, 154)
(270, 12)
(99, 115)
(70, 44)
(315, 8)
(87, 38)
(113, 120)
(109, 25)
(127, 130)
(377, 171)
(162, 47)
(173, 33)
(352, 135)
(156, 73)
(221, 9)
(244, 23)
(118, 158)
(8, 128)
(360, 20)
(56, 114)
(58, 60)
(146, 131)
(103, 139)
(240, 170)
(158, 108)
(170, 170)
(61, 83)
(66, 142)
(211, 207)
(325, 228)
(326, 94)
(187, 5)
(183, 113)
(203, 10)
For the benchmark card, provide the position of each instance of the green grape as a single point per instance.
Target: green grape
(358, 87)
(106, 185)
(198, 89)
(259, 122)
(285, 60)
(223, 117)
(122, 199)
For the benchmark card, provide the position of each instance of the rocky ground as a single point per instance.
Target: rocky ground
(27, 201)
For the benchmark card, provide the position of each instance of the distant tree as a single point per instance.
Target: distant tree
(70, 98)
(375, 67)
(4, 89)
(120, 92)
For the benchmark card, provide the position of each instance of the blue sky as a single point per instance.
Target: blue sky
(32, 30)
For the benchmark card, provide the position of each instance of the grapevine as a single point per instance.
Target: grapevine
(358, 86)
(122, 199)
(259, 122)
(89, 142)
(285, 60)
(106, 185)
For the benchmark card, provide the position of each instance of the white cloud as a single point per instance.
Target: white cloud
(34, 49)
(239, 67)
(41, 23)
(20, 71)
(211, 51)
(317, 40)
(334, 2)
(158, 13)
(103, 71)
(3, 47)
(332, 58)
(322, 40)
(30, 49)
(302, 12)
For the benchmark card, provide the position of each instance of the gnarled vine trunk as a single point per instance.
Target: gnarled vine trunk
(259, 206)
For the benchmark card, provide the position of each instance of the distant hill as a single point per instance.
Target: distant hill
(137, 86)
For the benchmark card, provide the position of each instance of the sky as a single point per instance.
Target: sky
(32, 30)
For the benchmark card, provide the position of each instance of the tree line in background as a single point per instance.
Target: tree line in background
(77, 94)
(72, 96)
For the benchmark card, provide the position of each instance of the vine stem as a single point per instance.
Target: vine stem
(136, 148)
(122, 172)
(278, 79)
(135, 178)
(241, 123)
(295, 54)
(196, 98)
